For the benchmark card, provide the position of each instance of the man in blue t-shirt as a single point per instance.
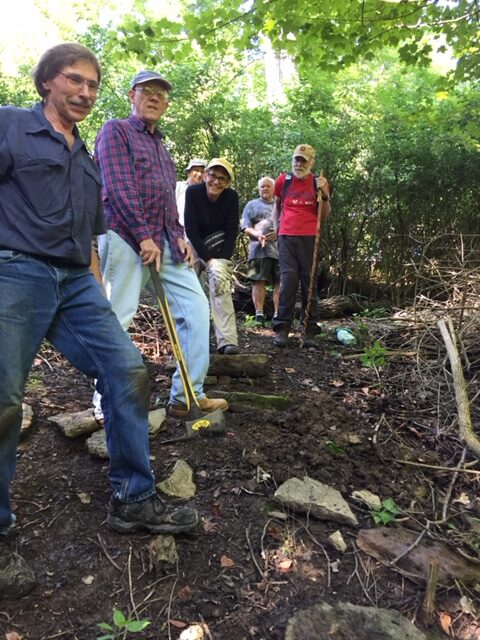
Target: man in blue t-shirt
(257, 223)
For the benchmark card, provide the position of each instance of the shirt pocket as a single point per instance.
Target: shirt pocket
(44, 183)
(91, 190)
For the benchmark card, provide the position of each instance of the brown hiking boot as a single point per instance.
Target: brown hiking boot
(207, 405)
(152, 514)
(16, 577)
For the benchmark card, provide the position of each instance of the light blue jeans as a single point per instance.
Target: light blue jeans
(124, 277)
(66, 306)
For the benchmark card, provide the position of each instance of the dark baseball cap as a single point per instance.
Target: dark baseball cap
(150, 76)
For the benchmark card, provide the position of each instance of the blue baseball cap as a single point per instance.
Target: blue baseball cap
(150, 76)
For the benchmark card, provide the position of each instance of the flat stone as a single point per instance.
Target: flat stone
(316, 499)
(337, 541)
(367, 497)
(76, 424)
(347, 621)
(97, 445)
(156, 421)
(179, 484)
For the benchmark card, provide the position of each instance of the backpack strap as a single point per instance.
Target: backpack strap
(286, 187)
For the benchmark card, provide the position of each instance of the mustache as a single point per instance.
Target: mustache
(82, 102)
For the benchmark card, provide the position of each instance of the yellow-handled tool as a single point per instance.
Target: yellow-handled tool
(198, 423)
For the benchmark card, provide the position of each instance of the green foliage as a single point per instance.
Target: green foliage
(121, 626)
(374, 356)
(334, 449)
(387, 514)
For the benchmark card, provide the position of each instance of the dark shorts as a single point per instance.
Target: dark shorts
(264, 269)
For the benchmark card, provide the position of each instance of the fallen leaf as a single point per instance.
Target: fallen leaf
(284, 566)
(467, 606)
(445, 622)
(225, 561)
(462, 499)
(275, 533)
(338, 383)
(209, 526)
(185, 593)
(178, 624)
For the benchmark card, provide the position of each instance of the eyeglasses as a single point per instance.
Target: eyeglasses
(77, 81)
(153, 91)
(214, 177)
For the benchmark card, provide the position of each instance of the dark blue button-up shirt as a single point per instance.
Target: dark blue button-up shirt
(50, 198)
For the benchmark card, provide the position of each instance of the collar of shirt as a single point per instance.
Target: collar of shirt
(140, 125)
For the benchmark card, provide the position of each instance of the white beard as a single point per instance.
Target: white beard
(300, 172)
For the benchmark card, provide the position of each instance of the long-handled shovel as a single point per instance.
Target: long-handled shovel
(198, 422)
(316, 257)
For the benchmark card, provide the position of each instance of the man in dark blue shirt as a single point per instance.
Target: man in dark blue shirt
(50, 209)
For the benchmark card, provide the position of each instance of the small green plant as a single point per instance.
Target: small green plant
(387, 514)
(377, 312)
(374, 356)
(362, 332)
(121, 626)
(249, 321)
(333, 448)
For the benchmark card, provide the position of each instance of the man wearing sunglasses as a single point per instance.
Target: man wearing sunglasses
(139, 179)
(211, 224)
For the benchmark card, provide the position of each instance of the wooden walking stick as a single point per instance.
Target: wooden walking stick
(312, 285)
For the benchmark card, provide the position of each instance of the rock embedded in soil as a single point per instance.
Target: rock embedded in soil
(76, 424)
(27, 418)
(97, 445)
(367, 497)
(337, 541)
(316, 499)
(345, 620)
(156, 421)
(179, 484)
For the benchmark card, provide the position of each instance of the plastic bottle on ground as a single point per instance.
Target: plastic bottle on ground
(344, 336)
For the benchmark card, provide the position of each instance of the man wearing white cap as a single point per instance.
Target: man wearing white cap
(211, 224)
(195, 170)
(295, 220)
(139, 179)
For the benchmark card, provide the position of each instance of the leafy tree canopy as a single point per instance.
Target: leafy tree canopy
(325, 34)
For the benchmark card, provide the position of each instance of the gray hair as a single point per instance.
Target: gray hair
(56, 59)
(266, 178)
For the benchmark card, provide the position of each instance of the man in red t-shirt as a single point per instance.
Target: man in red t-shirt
(295, 220)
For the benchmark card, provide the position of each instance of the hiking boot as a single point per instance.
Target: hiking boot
(229, 350)
(16, 577)
(281, 338)
(308, 339)
(152, 515)
(207, 405)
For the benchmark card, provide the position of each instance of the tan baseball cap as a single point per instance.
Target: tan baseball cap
(221, 162)
(305, 151)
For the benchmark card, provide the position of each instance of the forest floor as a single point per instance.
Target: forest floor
(245, 572)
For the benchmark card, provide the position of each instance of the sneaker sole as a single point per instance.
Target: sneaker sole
(120, 526)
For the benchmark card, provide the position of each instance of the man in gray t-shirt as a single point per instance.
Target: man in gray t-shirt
(257, 223)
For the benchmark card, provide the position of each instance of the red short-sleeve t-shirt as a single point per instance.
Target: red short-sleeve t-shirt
(299, 214)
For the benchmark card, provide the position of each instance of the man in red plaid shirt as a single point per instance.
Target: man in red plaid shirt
(139, 182)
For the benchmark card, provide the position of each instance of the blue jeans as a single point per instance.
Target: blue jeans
(124, 277)
(66, 306)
